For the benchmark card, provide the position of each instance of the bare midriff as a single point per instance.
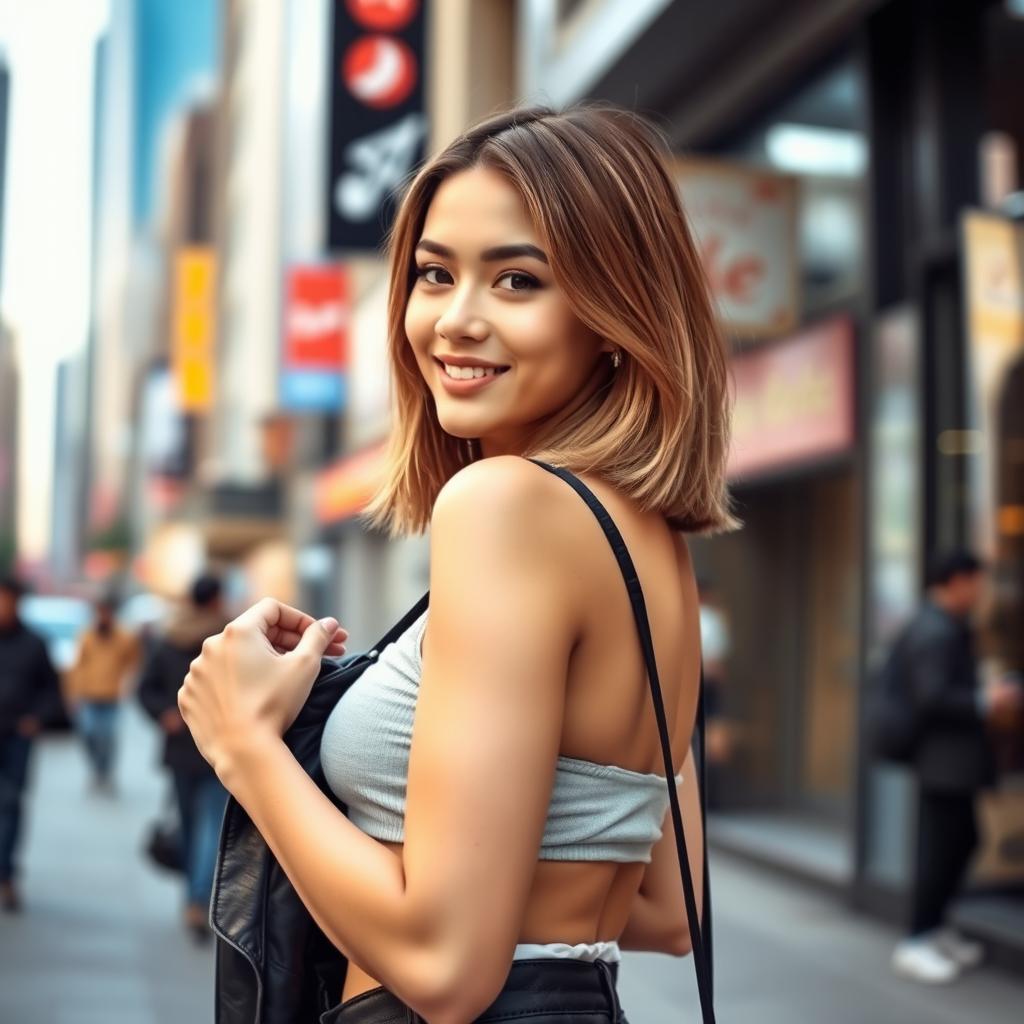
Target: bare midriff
(560, 907)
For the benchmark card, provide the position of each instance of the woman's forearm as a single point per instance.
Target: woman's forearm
(647, 931)
(353, 885)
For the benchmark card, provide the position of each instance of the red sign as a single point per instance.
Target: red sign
(794, 400)
(380, 71)
(383, 15)
(317, 319)
(316, 338)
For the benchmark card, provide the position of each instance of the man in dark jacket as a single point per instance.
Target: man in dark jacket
(201, 797)
(953, 761)
(29, 698)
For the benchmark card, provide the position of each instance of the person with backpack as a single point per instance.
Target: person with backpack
(947, 710)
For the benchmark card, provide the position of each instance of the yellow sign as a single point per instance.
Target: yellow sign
(995, 281)
(193, 330)
(994, 277)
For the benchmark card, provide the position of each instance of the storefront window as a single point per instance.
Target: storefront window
(895, 564)
(790, 581)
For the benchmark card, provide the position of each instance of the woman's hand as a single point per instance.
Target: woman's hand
(251, 680)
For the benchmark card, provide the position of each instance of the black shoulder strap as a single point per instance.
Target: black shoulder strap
(700, 933)
(402, 625)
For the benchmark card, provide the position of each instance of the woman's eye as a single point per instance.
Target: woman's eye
(434, 275)
(518, 281)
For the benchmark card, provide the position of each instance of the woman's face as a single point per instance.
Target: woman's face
(493, 334)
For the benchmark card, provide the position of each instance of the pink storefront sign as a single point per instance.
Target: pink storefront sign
(794, 400)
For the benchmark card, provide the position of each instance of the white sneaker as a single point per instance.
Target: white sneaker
(961, 950)
(922, 960)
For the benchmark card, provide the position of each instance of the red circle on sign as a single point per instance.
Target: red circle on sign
(379, 71)
(383, 15)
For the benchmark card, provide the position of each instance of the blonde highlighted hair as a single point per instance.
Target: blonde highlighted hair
(595, 182)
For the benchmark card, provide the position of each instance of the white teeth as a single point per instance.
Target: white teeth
(469, 372)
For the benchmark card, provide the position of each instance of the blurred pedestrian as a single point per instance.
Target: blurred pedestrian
(953, 761)
(95, 685)
(201, 797)
(29, 697)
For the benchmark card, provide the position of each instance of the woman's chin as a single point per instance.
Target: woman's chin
(462, 427)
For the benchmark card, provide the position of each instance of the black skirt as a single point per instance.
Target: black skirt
(547, 991)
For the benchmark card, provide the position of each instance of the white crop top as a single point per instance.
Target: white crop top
(597, 812)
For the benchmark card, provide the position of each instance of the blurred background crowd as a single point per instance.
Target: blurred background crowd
(193, 200)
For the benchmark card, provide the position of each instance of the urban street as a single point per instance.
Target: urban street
(100, 940)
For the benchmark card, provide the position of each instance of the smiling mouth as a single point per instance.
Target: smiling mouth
(471, 372)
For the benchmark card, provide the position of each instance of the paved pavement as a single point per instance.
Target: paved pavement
(100, 940)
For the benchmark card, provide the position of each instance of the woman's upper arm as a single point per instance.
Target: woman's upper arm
(488, 718)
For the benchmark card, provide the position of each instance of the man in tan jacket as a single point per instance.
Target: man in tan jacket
(107, 655)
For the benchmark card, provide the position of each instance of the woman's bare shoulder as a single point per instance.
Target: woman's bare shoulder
(511, 493)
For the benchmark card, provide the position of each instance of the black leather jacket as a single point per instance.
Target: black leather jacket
(954, 754)
(274, 964)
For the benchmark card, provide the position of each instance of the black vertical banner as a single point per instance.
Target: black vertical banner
(378, 120)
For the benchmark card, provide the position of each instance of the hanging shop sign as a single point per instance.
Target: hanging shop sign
(744, 221)
(193, 328)
(378, 120)
(794, 401)
(994, 285)
(343, 490)
(993, 250)
(315, 356)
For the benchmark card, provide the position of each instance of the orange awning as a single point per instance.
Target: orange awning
(343, 490)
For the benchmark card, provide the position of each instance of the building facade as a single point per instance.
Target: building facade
(881, 425)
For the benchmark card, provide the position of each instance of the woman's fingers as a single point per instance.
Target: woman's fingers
(268, 613)
(285, 640)
(284, 626)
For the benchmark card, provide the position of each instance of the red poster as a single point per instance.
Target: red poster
(317, 319)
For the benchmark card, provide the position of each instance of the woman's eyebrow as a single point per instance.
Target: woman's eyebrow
(498, 252)
(508, 252)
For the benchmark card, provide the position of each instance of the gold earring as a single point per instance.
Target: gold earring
(616, 359)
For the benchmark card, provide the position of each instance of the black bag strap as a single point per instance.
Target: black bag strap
(700, 933)
(401, 626)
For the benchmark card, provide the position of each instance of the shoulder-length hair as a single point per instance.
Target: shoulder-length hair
(595, 182)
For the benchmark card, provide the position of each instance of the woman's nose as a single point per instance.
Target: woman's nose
(461, 320)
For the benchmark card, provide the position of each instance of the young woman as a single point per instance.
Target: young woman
(507, 832)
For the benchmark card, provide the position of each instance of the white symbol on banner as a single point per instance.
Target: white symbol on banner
(308, 319)
(378, 163)
(384, 74)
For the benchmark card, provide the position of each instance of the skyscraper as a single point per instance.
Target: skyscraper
(8, 373)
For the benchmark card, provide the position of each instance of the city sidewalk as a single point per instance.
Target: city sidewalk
(100, 940)
(786, 953)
